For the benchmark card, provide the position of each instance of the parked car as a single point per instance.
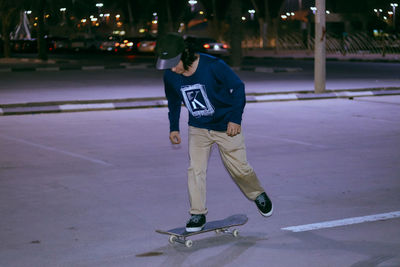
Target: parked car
(129, 45)
(208, 45)
(58, 44)
(24, 46)
(111, 44)
(147, 45)
(82, 44)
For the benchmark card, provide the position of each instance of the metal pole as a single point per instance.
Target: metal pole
(394, 5)
(320, 51)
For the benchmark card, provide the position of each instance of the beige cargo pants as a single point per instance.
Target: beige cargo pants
(233, 154)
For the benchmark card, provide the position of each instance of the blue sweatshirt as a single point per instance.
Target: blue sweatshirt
(214, 95)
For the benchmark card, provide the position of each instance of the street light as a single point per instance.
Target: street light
(63, 10)
(99, 6)
(394, 5)
(251, 12)
(378, 11)
(192, 3)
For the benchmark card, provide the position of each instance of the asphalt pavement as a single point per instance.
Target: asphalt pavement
(90, 188)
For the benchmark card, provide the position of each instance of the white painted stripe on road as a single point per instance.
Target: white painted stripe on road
(354, 94)
(264, 69)
(287, 140)
(137, 66)
(93, 67)
(343, 222)
(294, 69)
(97, 161)
(162, 102)
(86, 106)
(276, 97)
(5, 70)
(48, 69)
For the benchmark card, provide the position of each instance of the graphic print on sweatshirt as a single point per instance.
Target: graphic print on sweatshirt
(196, 100)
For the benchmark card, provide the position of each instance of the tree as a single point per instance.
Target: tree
(9, 14)
(217, 13)
(236, 33)
(268, 15)
(42, 45)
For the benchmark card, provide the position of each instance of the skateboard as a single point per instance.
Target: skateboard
(179, 235)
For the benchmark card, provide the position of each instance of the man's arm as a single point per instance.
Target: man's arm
(174, 110)
(236, 87)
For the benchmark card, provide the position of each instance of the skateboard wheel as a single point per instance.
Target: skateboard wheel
(188, 243)
(235, 233)
(172, 239)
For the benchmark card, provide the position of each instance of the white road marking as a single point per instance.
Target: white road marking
(93, 67)
(97, 161)
(48, 69)
(354, 94)
(287, 140)
(343, 222)
(275, 97)
(87, 106)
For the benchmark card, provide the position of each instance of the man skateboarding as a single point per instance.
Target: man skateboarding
(215, 98)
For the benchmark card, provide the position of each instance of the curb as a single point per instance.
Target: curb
(350, 59)
(270, 70)
(129, 66)
(96, 105)
(75, 67)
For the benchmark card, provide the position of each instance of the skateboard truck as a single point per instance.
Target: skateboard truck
(182, 240)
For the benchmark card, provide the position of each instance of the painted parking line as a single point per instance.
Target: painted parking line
(54, 149)
(343, 222)
(299, 142)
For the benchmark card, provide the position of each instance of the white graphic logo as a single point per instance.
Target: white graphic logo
(196, 100)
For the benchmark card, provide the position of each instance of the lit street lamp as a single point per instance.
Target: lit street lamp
(251, 12)
(99, 6)
(63, 10)
(394, 5)
(192, 4)
(378, 11)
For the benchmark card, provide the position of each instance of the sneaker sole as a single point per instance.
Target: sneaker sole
(267, 214)
(194, 229)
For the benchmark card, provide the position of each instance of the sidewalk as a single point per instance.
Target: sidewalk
(146, 100)
(304, 54)
(153, 102)
(58, 63)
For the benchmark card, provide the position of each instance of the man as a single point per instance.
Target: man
(215, 98)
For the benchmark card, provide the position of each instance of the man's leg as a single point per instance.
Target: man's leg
(199, 151)
(233, 154)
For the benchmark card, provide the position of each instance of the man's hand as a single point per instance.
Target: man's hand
(175, 137)
(233, 129)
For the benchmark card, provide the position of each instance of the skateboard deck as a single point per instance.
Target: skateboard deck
(220, 226)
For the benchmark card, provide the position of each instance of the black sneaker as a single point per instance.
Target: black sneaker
(196, 223)
(264, 205)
